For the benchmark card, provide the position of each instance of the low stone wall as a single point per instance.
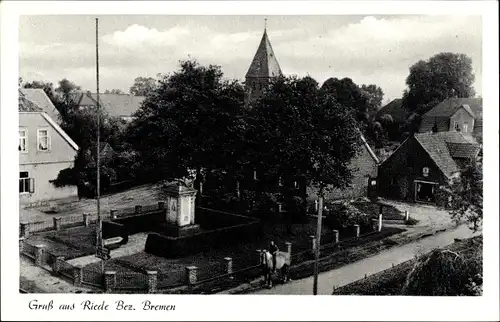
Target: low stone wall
(232, 229)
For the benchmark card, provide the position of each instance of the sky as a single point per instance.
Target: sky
(368, 49)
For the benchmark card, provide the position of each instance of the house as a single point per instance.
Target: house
(262, 70)
(116, 105)
(422, 163)
(44, 150)
(393, 116)
(40, 98)
(455, 114)
(364, 169)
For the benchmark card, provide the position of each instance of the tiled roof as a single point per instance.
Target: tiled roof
(40, 98)
(396, 110)
(445, 147)
(120, 105)
(25, 105)
(428, 123)
(264, 63)
(463, 150)
(449, 106)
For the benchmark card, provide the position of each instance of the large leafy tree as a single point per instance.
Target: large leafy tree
(349, 95)
(441, 76)
(299, 130)
(143, 86)
(191, 121)
(374, 96)
(463, 197)
(48, 88)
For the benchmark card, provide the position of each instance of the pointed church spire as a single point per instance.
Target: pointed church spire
(264, 63)
(263, 68)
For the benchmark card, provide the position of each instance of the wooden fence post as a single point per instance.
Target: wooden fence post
(56, 265)
(380, 222)
(86, 220)
(312, 243)
(336, 236)
(407, 215)
(356, 230)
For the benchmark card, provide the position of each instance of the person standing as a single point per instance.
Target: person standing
(273, 249)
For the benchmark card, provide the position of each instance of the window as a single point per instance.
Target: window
(425, 171)
(255, 174)
(26, 184)
(466, 127)
(296, 185)
(23, 140)
(456, 126)
(43, 140)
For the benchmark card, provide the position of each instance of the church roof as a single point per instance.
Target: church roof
(264, 63)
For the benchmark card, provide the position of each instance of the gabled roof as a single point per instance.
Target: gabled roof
(117, 105)
(25, 105)
(264, 63)
(368, 148)
(40, 98)
(396, 110)
(449, 106)
(438, 145)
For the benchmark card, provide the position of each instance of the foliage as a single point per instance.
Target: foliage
(113, 91)
(463, 197)
(299, 131)
(445, 272)
(191, 121)
(374, 96)
(441, 76)
(345, 215)
(48, 88)
(143, 86)
(350, 95)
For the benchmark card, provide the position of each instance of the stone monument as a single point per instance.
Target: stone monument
(180, 209)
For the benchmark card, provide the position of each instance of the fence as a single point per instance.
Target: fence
(216, 275)
(57, 223)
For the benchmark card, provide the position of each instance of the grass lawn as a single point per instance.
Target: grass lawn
(391, 281)
(389, 212)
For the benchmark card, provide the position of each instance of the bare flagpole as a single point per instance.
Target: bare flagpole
(318, 242)
(99, 219)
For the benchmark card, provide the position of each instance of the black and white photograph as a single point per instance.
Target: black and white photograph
(169, 155)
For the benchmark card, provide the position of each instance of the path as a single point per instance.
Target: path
(35, 279)
(371, 265)
(134, 245)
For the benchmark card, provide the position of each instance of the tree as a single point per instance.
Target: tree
(374, 96)
(65, 100)
(113, 91)
(143, 86)
(349, 95)
(441, 76)
(299, 130)
(48, 88)
(463, 197)
(190, 121)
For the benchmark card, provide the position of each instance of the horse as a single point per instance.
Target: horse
(282, 266)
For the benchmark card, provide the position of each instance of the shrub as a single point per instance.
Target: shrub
(447, 273)
(344, 215)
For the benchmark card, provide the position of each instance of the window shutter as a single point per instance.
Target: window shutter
(32, 185)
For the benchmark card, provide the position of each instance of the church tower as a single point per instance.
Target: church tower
(263, 68)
